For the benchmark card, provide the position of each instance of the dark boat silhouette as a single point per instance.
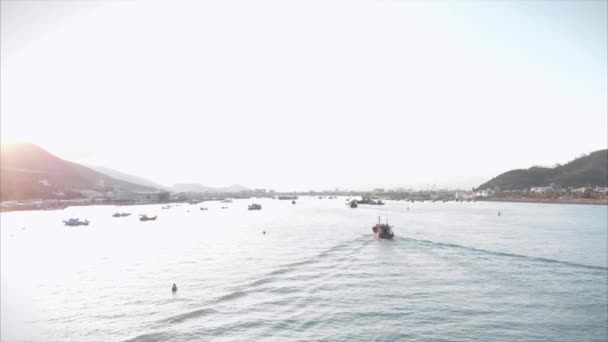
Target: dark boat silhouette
(383, 231)
(255, 207)
(121, 214)
(147, 218)
(76, 222)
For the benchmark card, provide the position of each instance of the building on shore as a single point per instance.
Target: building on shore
(140, 196)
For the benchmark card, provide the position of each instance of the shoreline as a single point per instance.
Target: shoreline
(38, 207)
(587, 201)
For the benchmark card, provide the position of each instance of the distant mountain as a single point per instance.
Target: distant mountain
(589, 170)
(127, 177)
(29, 172)
(202, 188)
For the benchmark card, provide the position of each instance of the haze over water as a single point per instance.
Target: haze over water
(455, 271)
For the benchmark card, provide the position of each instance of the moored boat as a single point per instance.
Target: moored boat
(76, 222)
(147, 218)
(383, 231)
(255, 206)
(353, 204)
(121, 214)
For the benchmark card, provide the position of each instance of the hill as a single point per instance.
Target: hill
(589, 170)
(29, 172)
(126, 177)
(202, 188)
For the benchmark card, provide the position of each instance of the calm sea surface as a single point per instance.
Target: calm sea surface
(455, 271)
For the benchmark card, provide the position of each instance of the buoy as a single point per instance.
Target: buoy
(174, 288)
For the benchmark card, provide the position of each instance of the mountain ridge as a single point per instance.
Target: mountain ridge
(28, 171)
(588, 170)
(195, 187)
(127, 177)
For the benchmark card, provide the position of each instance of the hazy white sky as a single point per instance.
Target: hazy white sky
(307, 95)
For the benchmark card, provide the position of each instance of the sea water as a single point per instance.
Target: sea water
(455, 271)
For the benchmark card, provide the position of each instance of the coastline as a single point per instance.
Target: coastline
(591, 201)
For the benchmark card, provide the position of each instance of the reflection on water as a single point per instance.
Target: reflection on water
(454, 271)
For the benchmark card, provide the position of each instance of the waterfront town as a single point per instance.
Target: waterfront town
(119, 196)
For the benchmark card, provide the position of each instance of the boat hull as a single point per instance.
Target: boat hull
(384, 236)
(148, 218)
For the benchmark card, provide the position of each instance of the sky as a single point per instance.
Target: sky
(300, 95)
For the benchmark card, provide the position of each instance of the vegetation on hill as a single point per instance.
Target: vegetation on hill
(588, 170)
(29, 172)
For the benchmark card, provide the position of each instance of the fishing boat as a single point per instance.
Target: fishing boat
(293, 202)
(353, 204)
(121, 214)
(255, 207)
(204, 208)
(383, 231)
(147, 218)
(287, 197)
(227, 200)
(76, 222)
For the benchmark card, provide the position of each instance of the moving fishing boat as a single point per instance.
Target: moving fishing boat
(255, 207)
(76, 222)
(121, 214)
(147, 218)
(383, 231)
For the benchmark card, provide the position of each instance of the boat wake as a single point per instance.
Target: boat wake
(353, 246)
(502, 254)
(152, 337)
